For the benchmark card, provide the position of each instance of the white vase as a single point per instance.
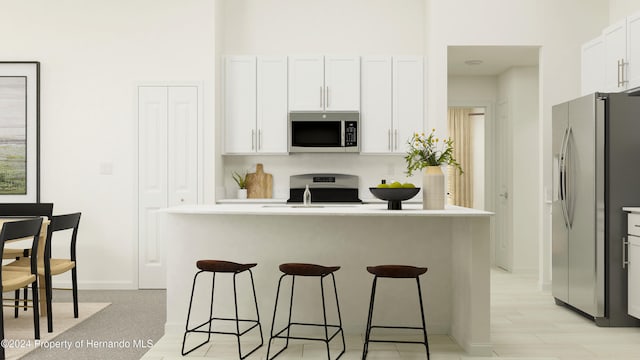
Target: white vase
(433, 188)
(242, 194)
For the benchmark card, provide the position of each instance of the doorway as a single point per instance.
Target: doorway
(503, 80)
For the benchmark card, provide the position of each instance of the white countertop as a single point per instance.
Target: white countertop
(323, 210)
(631, 209)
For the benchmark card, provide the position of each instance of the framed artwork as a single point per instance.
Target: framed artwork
(19, 132)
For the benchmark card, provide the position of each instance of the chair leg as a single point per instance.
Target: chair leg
(335, 290)
(424, 325)
(16, 303)
(293, 283)
(49, 294)
(273, 320)
(255, 300)
(36, 310)
(74, 283)
(235, 305)
(26, 298)
(2, 355)
(324, 316)
(367, 331)
(187, 331)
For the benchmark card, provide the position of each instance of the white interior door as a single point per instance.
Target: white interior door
(504, 207)
(167, 168)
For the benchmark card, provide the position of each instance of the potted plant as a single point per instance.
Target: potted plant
(241, 180)
(429, 153)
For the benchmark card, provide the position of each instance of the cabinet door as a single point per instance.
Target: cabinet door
(306, 83)
(632, 71)
(375, 112)
(593, 66)
(240, 104)
(342, 83)
(408, 99)
(633, 279)
(615, 51)
(272, 105)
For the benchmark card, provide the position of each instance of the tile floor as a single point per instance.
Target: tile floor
(525, 324)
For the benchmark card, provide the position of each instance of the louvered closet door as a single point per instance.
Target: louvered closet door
(168, 168)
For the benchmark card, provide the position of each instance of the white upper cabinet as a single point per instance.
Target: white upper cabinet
(376, 109)
(317, 83)
(392, 102)
(255, 105)
(271, 121)
(408, 99)
(615, 56)
(633, 50)
(342, 83)
(593, 66)
(240, 104)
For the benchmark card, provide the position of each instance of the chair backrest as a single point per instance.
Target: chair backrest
(22, 229)
(26, 209)
(63, 222)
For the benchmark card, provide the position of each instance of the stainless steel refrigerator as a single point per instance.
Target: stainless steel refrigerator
(596, 171)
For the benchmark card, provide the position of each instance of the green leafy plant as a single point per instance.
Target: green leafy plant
(428, 150)
(241, 180)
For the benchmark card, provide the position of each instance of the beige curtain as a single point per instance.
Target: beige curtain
(460, 187)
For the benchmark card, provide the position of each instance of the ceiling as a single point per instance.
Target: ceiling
(495, 59)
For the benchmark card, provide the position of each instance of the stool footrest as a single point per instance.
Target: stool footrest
(196, 329)
(337, 331)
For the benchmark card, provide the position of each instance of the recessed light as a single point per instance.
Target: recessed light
(473, 62)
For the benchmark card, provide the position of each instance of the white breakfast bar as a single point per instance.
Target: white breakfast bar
(453, 243)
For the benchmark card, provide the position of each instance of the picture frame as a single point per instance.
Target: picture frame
(19, 132)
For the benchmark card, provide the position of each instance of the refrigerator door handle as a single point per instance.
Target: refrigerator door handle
(625, 244)
(568, 179)
(563, 177)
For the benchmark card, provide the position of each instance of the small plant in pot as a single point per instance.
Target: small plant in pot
(241, 180)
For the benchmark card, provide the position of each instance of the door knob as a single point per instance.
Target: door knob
(504, 195)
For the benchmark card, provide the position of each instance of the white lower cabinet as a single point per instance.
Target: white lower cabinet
(633, 256)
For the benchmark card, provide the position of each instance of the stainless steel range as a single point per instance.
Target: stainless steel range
(325, 188)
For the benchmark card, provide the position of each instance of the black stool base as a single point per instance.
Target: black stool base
(334, 329)
(209, 323)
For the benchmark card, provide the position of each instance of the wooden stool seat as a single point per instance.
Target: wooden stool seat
(223, 266)
(301, 269)
(396, 271)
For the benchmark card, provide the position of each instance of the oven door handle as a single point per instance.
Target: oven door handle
(342, 135)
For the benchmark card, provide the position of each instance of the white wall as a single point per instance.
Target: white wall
(290, 27)
(619, 9)
(519, 87)
(541, 23)
(93, 53)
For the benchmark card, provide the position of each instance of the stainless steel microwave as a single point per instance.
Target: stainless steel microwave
(324, 132)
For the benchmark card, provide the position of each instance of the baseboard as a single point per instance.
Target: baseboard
(478, 349)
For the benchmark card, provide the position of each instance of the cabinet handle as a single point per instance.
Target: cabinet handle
(625, 243)
(253, 140)
(327, 97)
(396, 135)
(623, 65)
(321, 97)
(389, 139)
(619, 72)
(259, 139)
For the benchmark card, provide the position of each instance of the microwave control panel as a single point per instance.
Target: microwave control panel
(351, 133)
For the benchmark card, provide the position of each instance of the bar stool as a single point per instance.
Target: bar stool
(214, 267)
(297, 269)
(394, 272)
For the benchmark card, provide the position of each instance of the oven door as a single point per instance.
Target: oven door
(317, 136)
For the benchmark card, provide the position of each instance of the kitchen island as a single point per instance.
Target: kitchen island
(453, 243)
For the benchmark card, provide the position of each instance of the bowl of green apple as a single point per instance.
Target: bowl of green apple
(394, 193)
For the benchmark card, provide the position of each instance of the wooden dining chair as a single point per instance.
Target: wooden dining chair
(23, 210)
(15, 280)
(55, 266)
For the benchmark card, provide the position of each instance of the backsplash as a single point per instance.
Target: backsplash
(370, 168)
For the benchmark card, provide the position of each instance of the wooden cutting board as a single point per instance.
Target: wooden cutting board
(259, 184)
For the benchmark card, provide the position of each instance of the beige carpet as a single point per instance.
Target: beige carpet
(19, 332)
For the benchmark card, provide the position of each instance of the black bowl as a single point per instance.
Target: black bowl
(394, 196)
